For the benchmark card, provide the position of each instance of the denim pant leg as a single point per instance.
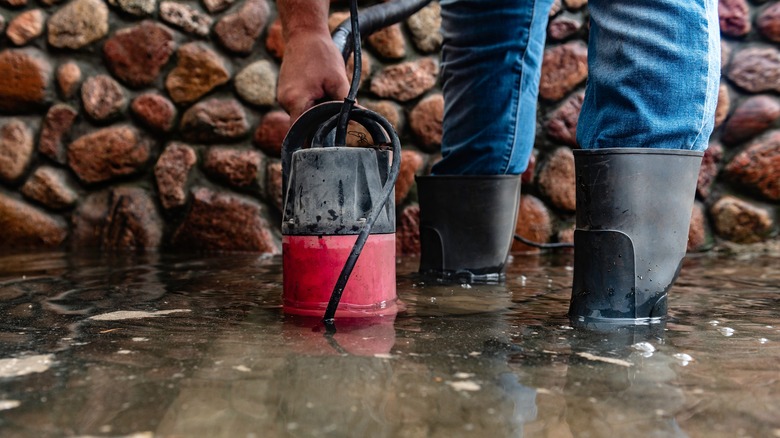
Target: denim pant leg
(654, 69)
(491, 63)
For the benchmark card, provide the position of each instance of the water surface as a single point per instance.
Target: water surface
(197, 346)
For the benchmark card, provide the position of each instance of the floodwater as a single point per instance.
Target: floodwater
(197, 346)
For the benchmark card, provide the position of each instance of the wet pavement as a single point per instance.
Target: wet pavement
(197, 346)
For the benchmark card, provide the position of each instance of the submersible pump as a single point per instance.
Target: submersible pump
(338, 225)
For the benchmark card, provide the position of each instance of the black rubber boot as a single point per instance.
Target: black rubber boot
(633, 213)
(466, 225)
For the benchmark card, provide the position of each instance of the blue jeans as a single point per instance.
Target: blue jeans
(654, 69)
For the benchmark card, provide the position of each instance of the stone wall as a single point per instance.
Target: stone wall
(152, 124)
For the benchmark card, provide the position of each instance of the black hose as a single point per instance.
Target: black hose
(559, 245)
(349, 111)
(372, 19)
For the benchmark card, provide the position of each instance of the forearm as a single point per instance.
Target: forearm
(303, 16)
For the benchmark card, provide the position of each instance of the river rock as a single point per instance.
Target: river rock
(758, 166)
(55, 131)
(425, 26)
(108, 153)
(78, 24)
(138, 8)
(407, 234)
(710, 164)
(25, 226)
(271, 131)
(411, 163)
(68, 78)
(768, 23)
(198, 71)
(214, 120)
(154, 111)
(564, 26)
(26, 77)
(103, 98)
(185, 17)
(256, 83)
(407, 80)
(136, 54)
(26, 27)
(171, 173)
(238, 32)
(237, 167)
(556, 179)
(16, 148)
(564, 67)
(740, 221)
(734, 17)
(756, 69)
(217, 5)
(50, 187)
(562, 123)
(219, 221)
(425, 119)
(389, 42)
(752, 117)
(533, 222)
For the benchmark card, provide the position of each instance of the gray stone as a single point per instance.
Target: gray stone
(78, 23)
(185, 17)
(139, 8)
(256, 83)
(425, 26)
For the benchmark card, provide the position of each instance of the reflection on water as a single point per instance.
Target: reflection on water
(174, 346)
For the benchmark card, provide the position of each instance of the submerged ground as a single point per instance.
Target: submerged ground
(197, 346)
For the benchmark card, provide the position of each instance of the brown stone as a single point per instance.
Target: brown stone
(136, 54)
(171, 173)
(389, 42)
(198, 71)
(562, 123)
(563, 26)
(407, 234)
(108, 153)
(407, 80)
(734, 17)
(566, 234)
(740, 221)
(556, 179)
(132, 221)
(768, 23)
(185, 17)
(214, 120)
(709, 169)
(26, 27)
(221, 222)
(25, 226)
(16, 148)
(756, 69)
(724, 103)
(274, 184)
(50, 187)
(78, 24)
(563, 68)
(274, 41)
(528, 176)
(103, 98)
(752, 117)
(217, 5)
(55, 131)
(237, 167)
(697, 231)
(425, 26)
(271, 132)
(758, 166)
(123, 218)
(154, 111)
(411, 163)
(68, 78)
(238, 32)
(25, 80)
(426, 122)
(533, 223)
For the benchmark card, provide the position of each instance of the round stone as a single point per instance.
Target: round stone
(734, 17)
(16, 148)
(214, 120)
(55, 131)
(238, 32)
(26, 77)
(564, 67)
(407, 234)
(533, 223)
(25, 226)
(411, 163)
(171, 173)
(78, 24)
(50, 187)
(425, 26)
(198, 71)
(256, 83)
(562, 123)
(758, 166)
(556, 179)
(103, 98)
(138, 8)
(154, 111)
(426, 122)
(740, 221)
(26, 27)
(108, 153)
(185, 17)
(768, 23)
(407, 80)
(136, 54)
(752, 117)
(271, 131)
(389, 42)
(68, 78)
(236, 167)
(756, 69)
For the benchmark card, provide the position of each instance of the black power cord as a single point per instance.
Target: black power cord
(349, 111)
(559, 245)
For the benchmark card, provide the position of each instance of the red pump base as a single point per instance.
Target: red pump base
(312, 265)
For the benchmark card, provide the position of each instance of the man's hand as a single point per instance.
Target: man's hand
(312, 69)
